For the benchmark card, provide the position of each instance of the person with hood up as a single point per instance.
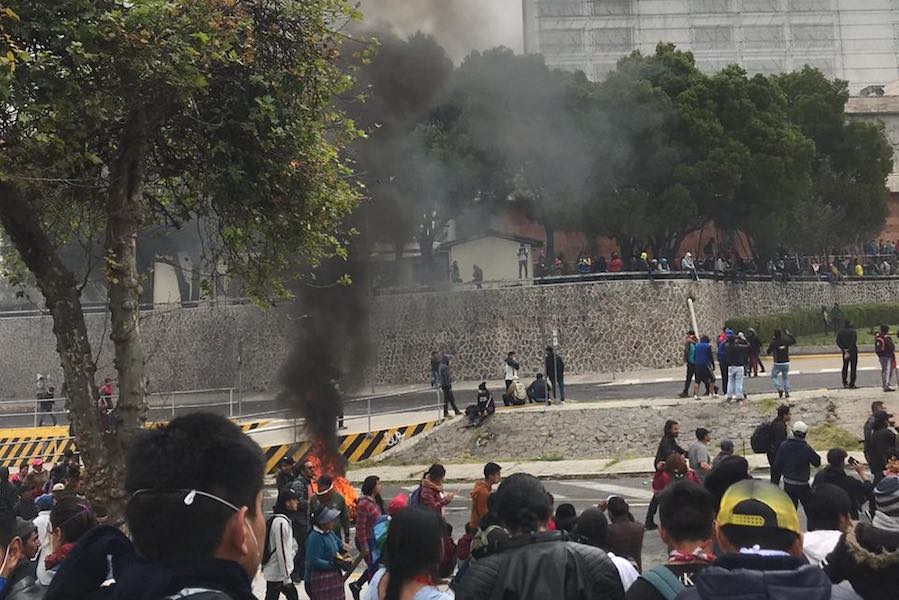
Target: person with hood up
(481, 491)
(794, 461)
(761, 542)
(867, 556)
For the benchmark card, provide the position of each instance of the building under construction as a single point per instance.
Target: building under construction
(855, 40)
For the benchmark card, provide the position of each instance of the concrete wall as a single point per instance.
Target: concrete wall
(497, 257)
(602, 327)
(193, 348)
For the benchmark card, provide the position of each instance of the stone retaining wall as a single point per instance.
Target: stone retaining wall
(602, 327)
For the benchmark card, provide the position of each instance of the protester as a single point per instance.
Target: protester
(483, 407)
(687, 516)
(847, 342)
(412, 555)
(777, 436)
(536, 564)
(323, 577)
(828, 517)
(868, 428)
(858, 490)
(667, 446)
(285, 474)
(280, 548)
(592, 529)
(194, 512)
(794, 461)
(780, 370)
(515, 394)
(46, 403)
(721, 347)
(755, 351)
(555, 372)
(301, 486)
(369, 509)
(883, 441)
(328, 497)
(70, 519)
(510, 368)
(761, 540)
(481, 491)
(435, 368)
(690, 341)
(675, 470)
(42, 521)
(727, 449)
(625, 533)
(565, 517)
(729, 471)
(704, 359)
(698, 453)
(37, 479)
(886, 354)
(736, 352)
(445, 378)
(431, 493)
(867, 556)
(539, 390)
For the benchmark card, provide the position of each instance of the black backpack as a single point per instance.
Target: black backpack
(267, 550)
(761, 438)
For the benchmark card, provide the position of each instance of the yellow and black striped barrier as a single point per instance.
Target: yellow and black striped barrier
(355, 447)
(21, 445)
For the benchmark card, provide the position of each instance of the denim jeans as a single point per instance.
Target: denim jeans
(735, 382)
(778, 369)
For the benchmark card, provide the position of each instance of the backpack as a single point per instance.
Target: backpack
(879, 344)
(664, 581)
(518, 391)
(761, 438)
(415, 497)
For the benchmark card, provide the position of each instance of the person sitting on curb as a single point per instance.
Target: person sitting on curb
(539, 390)
(516, 394)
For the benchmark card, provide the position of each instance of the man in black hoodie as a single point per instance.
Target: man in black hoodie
(194, 511)
(761, 542)
(847, 341)
(794, 461)
(555, 372)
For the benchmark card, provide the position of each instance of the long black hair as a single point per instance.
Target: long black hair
(414, 547)
(522, 504)
(436, 473)
(73, 517)
(368, 486)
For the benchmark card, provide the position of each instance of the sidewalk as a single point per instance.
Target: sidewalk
(602, 468)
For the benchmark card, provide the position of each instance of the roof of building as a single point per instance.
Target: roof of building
(495, 234)
(885, 102)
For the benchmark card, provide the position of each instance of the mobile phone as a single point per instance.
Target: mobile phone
(852, 461)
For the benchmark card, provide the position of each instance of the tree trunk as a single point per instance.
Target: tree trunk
(104, 465)
(124, 220)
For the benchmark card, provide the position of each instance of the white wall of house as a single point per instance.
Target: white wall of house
(498, 257)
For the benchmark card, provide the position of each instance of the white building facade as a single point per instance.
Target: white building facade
(855, 40)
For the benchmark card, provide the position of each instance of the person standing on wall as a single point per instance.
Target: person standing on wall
(510, 368)
(690, 342)
(847, 340)
(555, 372)
(779, 348)
(522, 262)
(886, 354)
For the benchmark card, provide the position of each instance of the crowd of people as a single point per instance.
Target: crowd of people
(198, 530)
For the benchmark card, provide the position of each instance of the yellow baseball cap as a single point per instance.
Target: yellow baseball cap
(754, 503)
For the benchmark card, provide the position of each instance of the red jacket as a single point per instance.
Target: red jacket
(432, 496)
(663, 479)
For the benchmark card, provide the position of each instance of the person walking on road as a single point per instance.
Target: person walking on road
(704, 367)
(794, 461)
(690, 342)
(779, 348)
(886, 354)
(555, 372)
(510, 368)
(847, 341)
(667, 446)
(755, 352)
(445, 378)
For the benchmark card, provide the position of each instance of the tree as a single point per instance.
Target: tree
(120, 114)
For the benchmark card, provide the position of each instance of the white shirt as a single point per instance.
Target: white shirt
(509, 371)
(626, 570)
(42, 522)
(283, 547)
(816, 545)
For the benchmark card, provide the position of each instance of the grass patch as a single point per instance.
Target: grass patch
(828, 435)
(769, 405)
(865, 337)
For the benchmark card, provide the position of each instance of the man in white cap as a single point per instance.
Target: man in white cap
(794, 461)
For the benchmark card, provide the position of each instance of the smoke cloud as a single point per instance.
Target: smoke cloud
(460, 26)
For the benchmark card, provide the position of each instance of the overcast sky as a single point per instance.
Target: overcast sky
(459, 25)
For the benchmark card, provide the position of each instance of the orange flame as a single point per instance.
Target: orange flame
(323, 463)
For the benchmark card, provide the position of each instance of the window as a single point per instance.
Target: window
(763, 36)
(813, 36)
(611, 8)
(561, 8)
(710, 6)
(613, 39)
(562, 40)
(811, 5)
(718, 36)
(760, 5)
